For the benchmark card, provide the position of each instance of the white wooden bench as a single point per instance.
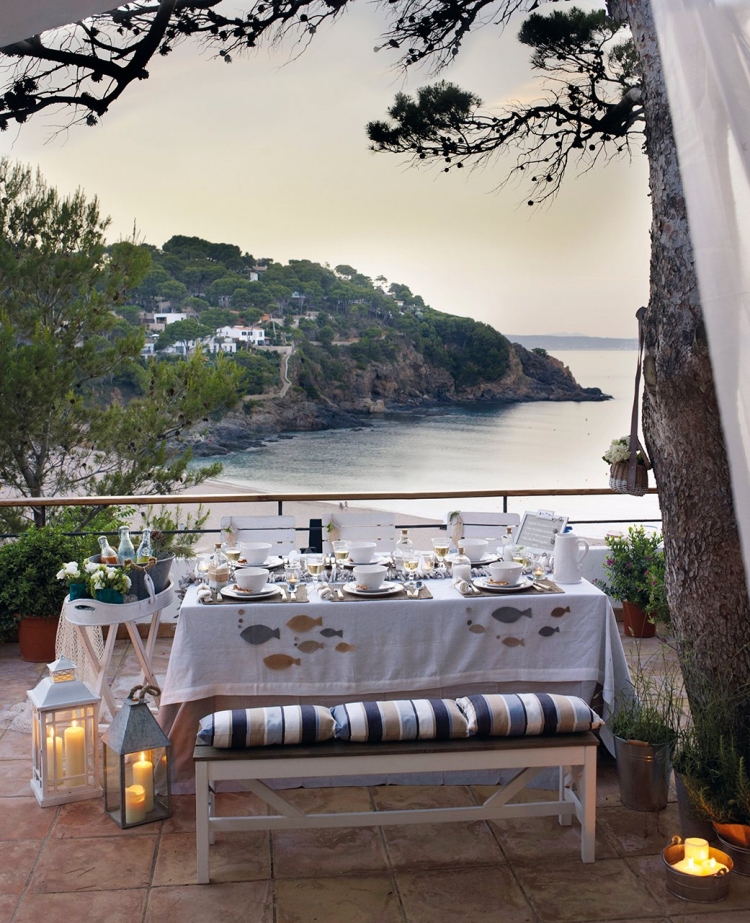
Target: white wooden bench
(573, 754)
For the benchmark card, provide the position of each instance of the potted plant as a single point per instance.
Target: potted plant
(635, 571)
(173, 535)
(645, 726)
(31, 596)
(107, 583)
(73, 576)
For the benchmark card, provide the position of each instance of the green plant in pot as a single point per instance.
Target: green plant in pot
(645, 725)
(635, 575)
(31, 596)
(713, 758)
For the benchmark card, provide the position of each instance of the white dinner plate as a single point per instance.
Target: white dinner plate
(485, 559)
(485, 583)
(385, 589)
(273, 561)
(268, 590)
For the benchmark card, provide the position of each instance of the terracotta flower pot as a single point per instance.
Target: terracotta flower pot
(736, 834)
(636, 622)
(36, 638)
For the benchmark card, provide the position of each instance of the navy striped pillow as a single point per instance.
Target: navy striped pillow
(527, 714)
(406, 719)
(238, 728)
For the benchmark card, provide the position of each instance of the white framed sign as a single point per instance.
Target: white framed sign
(538, 530)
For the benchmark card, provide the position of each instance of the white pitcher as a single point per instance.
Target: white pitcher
(570, 550)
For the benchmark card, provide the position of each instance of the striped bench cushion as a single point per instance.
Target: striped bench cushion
(238, 728)
(407, 719)
(527, 714)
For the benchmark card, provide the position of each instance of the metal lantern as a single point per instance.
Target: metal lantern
(136, 763)
(64, 741)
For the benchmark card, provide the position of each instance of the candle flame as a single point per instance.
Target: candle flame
(143, 756)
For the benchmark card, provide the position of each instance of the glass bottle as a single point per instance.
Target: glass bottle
(508, 545)
(218, 569)
(107, 555)
(404, 546)
(461, 567)
(125, 550)
(145, 551)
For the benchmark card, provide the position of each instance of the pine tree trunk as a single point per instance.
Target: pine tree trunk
(705, 578)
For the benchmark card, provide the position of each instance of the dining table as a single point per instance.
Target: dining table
(242, 653)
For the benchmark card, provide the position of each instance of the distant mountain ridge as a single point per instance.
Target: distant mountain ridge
(553, 341)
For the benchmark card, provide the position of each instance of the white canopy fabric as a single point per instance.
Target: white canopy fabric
(20, 19)
(705, 46)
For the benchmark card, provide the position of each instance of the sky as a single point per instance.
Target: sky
(270, 153)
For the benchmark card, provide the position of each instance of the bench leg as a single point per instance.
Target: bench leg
(587, 797)
(202, 799)
(565, 820)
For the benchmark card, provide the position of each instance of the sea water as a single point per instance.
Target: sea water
(492, 447)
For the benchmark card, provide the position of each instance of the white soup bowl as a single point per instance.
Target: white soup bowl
(369, 576)
(505, 572)
(252, 579)
(361, 552)
(474, 548)
(254, 553)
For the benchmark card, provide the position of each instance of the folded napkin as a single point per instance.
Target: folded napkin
(325, 592)
(204, 594)
(463, 587)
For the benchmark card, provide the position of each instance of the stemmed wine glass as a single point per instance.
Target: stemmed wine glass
(233, 552)
(340, 554)
(315, 567)
(410, 563)
(441, 547)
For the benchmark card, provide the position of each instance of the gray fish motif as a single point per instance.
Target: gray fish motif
(259, 634)
(547, 631)
(332, 633)
(508, 615)
(559, 611)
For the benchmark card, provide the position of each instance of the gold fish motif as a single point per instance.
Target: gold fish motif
(280, 661)
(513, 642)
(303, 623)
(343, 648)
(307, 647)
(477, 629)
(560, 611)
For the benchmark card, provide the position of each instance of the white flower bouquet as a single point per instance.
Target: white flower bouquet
(71, 573)
(104, 577)
(618, 451)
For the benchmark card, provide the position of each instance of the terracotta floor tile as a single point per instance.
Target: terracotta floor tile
(338, 851)
(15, 745)
(229, 803)
(639, 833)
(23, 819)
(571, 891)
(240, 902)
(94, 864)
(651, 871)
(360, 899)
(488, 895)
(713, 916)
(83, 907)
(89, 819)
(7, 907)
(17, 858)
(233, 857)
(527, 838)
(14, 778)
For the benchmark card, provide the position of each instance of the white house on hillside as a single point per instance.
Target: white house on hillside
(255, 336)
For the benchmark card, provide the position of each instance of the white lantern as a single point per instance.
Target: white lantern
(65, 738)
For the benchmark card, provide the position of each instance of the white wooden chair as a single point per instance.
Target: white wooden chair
(491, 526)
(354, 526)
(278, 530)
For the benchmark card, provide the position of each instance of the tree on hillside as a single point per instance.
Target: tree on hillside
(182, 333)
(599, 105)
(60, 431)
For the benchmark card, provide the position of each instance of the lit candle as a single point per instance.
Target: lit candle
(75, 753)
(135, 804)
(696, 848)
(143, 774)
(54, 755)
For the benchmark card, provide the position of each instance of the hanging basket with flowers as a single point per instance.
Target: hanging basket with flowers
(625, 475)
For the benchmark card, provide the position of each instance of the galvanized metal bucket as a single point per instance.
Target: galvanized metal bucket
(740, 856)
(706, 889)
(643, 773)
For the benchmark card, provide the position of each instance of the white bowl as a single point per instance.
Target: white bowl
(474, 548)
(505, 572)
(252, 579)
(369, 576)
(254, 553)
(361, 552)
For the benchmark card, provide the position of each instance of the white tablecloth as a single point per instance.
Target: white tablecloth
(329, 652)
